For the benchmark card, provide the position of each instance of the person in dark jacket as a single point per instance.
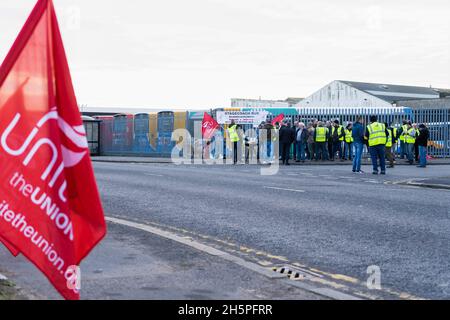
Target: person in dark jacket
(416, 144)
(329, 126)
(295, 127)
(358, 142)
(422, 142)
(287, 137)
(337, 137)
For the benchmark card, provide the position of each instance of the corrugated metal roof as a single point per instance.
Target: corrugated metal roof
(443, 103)
(393, 92)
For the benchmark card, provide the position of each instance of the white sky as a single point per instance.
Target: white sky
(200, 53)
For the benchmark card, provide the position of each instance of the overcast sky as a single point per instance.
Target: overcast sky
(200, 53)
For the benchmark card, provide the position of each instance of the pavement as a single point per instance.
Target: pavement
(325, 224)
(137, 265)
(8, 290)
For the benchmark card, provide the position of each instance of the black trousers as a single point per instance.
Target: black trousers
(235, 152)
(321, 151)
(285, 152)
(330, 149)
(337, 147)
(416, 151)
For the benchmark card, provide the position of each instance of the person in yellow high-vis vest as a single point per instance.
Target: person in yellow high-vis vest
(376, 135)
(389, 143)
(394, 140)
(401, 138)
(321, 135)
(234, 138)
(348, 146)
(410, 140)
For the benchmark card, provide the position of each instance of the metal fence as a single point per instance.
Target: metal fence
(126, 137)
(437, 120)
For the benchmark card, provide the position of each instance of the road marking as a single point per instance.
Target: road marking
(153, 175)
(323, 291)
(196, 245)
(283, 189)
(251, 265)
(265, 263)
(338, 276)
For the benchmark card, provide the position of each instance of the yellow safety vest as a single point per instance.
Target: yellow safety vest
(348, 136)
(409, 138)
(321, 134)
(234, 137)
(389, 139)
(405, 129)
(339, 129)
(377, 134)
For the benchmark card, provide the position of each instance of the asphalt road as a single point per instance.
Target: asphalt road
(324, 218)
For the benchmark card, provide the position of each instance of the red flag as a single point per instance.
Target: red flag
(50, 209)
(209, 126)
(278, 119)
(14, 251)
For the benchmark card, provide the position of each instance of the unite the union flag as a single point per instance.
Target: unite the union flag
(278, 119)
(209, 126)
(50, 209)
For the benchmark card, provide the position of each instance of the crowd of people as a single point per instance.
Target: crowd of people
(332, 141)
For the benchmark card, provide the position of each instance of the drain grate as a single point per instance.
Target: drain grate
(296, 273)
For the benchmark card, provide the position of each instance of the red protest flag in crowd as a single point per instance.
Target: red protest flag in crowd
(50, 209)
(278, 119)
(209, 126)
